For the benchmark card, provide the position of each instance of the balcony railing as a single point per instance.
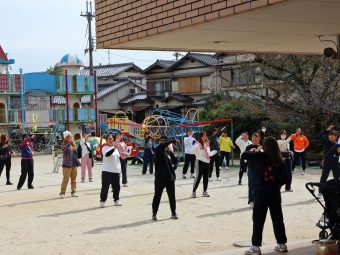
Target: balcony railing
(77, 84)
(10, 116)
(9, 84)
(75, 115)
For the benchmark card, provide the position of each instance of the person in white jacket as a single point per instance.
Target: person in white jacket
(203, 154)
(111, 171)
(189, 157)
(242, 142)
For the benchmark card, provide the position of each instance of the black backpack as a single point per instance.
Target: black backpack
(79, 152)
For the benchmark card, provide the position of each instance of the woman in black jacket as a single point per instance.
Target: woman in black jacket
(165, 166)
(329, 139)
(6, 153)
(267, 194)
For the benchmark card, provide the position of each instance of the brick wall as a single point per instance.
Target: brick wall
(119, 21)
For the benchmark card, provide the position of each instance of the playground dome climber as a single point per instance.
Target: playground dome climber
(70, 60)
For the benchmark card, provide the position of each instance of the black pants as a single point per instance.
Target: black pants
(268, 197)
(243, 169)
(330, 165)
(170, 189)
(108, 179)
(288, 166)
(189, 158)
(148, 159)
(203, 170)
(8, 164)
(297, 157)
(251, 184)
(123, 164)
(26, 170)
(215, 160)
(225, 155)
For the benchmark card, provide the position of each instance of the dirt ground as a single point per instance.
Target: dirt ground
(38, 222)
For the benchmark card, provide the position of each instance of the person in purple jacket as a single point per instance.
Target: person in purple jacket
(27, 167)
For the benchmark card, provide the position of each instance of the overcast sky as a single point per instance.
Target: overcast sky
(37, 33)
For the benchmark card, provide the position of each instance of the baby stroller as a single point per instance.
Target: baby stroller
(329, 223)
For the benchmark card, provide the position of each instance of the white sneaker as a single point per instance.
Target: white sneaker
(192, 176)
(227, 168)
(254, 250)
(210, 179)
(117, 203)
(205, 194)
(102, 204)
(218, 179)
(281, 248)
(193, 195)
(61, 196)
(74, 194)
(251, 205)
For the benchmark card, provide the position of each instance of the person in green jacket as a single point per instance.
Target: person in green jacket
(226, 145)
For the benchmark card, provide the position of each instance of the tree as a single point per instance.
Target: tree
(56, 70)
(301, 87)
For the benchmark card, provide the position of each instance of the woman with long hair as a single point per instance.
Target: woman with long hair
(6, 153)
(203, 154)
(70, 164)
(267, 195)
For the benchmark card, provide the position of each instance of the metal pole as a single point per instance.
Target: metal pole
(67, 109)
(22, 95)
(232, 139)
(95, 99)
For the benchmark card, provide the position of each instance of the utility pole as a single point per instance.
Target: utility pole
(89, 16)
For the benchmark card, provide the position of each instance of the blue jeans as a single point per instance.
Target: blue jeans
(148, 159)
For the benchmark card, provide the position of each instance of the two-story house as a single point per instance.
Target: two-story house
(10, 95)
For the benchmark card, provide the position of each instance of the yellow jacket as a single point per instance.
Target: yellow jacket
(225, 144)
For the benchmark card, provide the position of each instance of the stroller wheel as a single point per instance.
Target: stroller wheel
(323, 234)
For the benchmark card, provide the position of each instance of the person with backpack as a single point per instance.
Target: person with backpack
(287, 156)
(270, 177)
(27, 166)
(165, 177)
(329, 139)
(6, 153)
(85, 153)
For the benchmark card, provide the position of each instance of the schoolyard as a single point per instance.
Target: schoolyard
(39, 222)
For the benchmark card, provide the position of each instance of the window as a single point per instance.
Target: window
(161, 87)
(245, 76)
